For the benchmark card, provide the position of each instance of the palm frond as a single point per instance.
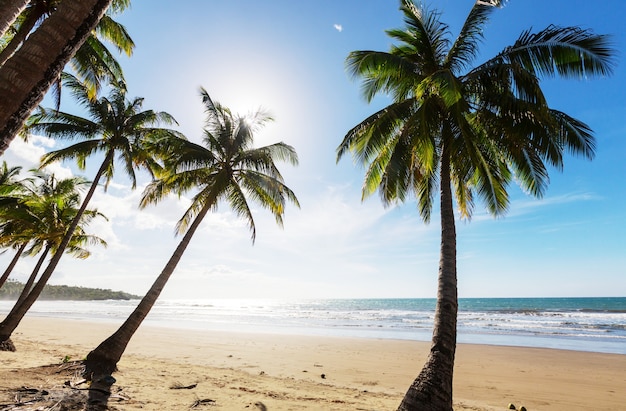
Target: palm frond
(94, 65)
(425, 39)
(466, 47)
(566, 51)
(116, 34)
(80, 150)
(382, 73)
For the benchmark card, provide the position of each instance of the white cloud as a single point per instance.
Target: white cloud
(338, 27)
(26, 154)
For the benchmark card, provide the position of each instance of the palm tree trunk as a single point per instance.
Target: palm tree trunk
(31, 280)
(10, 324)
(102, 361)
(27, 75)
(9, 11)
(432, 389)
(20, 36)
(12, 264)
(5, 343)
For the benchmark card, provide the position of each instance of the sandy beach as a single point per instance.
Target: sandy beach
(235, 371)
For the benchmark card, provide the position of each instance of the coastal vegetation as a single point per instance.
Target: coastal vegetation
(40, 212)
(12, 289)
(454, 131)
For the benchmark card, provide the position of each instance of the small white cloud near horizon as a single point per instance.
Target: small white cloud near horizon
(338, 27)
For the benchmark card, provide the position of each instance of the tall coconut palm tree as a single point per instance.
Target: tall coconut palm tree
(454, 128)
(227, 168)
(51, 206)
(117, 127)
(46, 52)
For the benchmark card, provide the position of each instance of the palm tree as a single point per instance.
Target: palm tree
(452, 127)
(45, 53)
(51, 207)
(226, 168)
(117, 127)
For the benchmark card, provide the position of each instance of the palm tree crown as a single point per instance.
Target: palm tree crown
(226, 168)
(51, 205)
(492, 121)
(116, 126)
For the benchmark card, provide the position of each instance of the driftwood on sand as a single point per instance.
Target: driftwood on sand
(61, 388)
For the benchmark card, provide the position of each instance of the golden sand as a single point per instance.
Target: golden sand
(235, 371)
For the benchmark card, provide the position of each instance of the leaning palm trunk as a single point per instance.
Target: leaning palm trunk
(31, 280)
(12, 264)
(15, 315)
(102, 361)
(9, 11)
(20, 36)
(45, 53)
(432, 389)
(10, 324)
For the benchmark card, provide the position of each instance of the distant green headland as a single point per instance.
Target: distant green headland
(12, 289)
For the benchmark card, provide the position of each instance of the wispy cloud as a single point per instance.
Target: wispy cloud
(338, 27)
(528, 205)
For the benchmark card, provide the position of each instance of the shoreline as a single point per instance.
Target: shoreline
(562, 328)
(237, 369)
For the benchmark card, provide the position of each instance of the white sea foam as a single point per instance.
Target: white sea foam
(577, 324)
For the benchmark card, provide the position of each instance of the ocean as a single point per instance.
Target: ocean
(581, 324)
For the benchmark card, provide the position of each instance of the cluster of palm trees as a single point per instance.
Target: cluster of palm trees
(454, 130)
(224, 168)
(35, 215)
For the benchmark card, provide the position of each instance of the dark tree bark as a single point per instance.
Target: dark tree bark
(11, 322)
(17, 40)
(27, 75)
(6, 344)
(9, 10)
(432, 389)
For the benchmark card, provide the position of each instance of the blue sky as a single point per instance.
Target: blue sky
(288, 57)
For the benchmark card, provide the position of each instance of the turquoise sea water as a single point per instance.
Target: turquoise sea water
(583, 324)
